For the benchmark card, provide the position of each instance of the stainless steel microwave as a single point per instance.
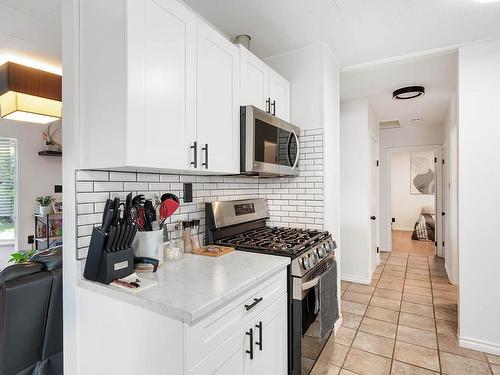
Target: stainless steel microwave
(269, 146)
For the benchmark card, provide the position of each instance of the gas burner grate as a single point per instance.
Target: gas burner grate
(279, 240)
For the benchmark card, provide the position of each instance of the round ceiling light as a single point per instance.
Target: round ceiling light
(409, 92)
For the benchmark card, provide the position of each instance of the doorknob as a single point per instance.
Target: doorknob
(373, 218)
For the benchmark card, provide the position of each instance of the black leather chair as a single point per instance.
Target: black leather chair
(31, 324)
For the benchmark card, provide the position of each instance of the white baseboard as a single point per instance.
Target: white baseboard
(337, 325)
(355, 279)
(483, 346)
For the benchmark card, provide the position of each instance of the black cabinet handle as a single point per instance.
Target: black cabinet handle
(250, 333)
(255, 302)
(194, 147)
(373, 218)
(268, 105)
(206, 155)
(273, 104)
(259, 343)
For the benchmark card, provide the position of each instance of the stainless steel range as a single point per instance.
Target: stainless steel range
(242, 224)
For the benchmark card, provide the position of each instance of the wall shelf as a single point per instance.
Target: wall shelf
(57, 154)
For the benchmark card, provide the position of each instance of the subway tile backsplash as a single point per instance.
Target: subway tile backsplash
(293, 201)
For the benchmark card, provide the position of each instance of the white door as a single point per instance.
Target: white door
(218, 101)
(254, 80)
(161, 68)
(279, 92)
(374, 219)
(270, 340)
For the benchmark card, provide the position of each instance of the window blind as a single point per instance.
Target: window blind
(7, 173)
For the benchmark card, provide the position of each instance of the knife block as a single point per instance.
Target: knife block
(103, 266)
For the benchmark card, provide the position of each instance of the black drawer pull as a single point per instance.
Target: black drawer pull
(255, 302)
(259, 343)
(250, 333)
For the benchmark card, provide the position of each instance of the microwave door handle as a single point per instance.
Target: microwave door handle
(294, 164)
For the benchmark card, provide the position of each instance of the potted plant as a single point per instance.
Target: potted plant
(45, 205)
(21, 256)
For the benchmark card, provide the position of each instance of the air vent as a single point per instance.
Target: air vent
(390, 124)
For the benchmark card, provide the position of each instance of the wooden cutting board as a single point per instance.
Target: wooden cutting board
(213, 250)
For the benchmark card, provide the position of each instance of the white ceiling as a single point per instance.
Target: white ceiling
(31, 30)
(358, 31)
(438, 74)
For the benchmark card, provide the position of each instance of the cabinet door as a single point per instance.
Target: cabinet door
(279, 91)
(228, 359)
(218, 101)
(161, 84)
(254, 80)
(270, 340)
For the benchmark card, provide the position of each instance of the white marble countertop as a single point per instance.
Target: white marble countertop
(195, 286)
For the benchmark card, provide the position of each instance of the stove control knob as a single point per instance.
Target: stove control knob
(314, 259)
(306, 262)
(321, 252)
(328, 247)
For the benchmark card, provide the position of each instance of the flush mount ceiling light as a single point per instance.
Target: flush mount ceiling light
(409, 92)
(29, 94)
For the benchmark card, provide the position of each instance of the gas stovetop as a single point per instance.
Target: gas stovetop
(276, 240)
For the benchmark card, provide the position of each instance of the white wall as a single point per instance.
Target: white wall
(354, 194)
(405, 207)
(479, 196)
(37, 175)
(409, 136)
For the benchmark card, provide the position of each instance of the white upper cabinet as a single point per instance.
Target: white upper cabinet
(262, 87)
(157, 84)
(161, 66)
(218, 101)
(254, 80)
(279, 92)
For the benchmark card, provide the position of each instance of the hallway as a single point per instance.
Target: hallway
(402, 243)
(404, 323)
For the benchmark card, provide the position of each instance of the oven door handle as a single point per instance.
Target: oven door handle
(310, 284)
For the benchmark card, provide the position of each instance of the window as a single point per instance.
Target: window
(7, 189)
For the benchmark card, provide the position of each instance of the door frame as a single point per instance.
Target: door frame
(373, 164)
(438, 167)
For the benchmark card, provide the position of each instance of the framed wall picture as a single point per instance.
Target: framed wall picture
(422, 173)
(57, 207)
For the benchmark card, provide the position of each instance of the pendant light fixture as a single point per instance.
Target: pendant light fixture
(408, 92)
(29, 94)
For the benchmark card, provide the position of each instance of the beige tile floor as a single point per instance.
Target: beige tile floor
(405, 323)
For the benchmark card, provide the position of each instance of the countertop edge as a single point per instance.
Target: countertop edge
(189, 317)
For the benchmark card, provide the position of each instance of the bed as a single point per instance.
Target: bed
(425, 226)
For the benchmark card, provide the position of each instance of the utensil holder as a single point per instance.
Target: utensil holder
(103, 266)
(149, 245)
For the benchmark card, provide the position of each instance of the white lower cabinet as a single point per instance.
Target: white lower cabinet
(248, 335)
(260, 347)
(270, 340)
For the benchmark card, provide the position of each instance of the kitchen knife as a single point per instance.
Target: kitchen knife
(111, 238)
(107, 207)
(107, 221)
(126, 233)
(132, 236)
(116, 240)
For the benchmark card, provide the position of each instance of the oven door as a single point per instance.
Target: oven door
(269, 145)
(306, 300)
